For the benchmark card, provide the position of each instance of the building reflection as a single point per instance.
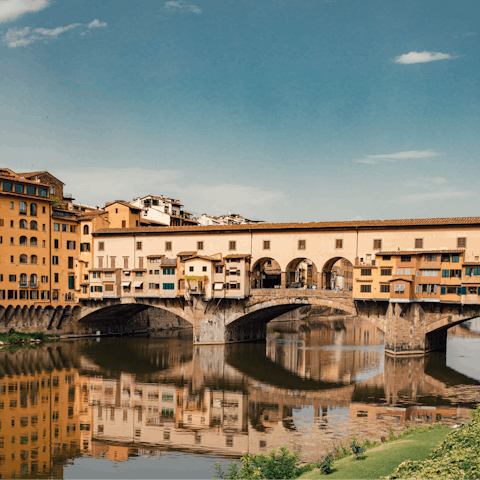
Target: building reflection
(305, 390)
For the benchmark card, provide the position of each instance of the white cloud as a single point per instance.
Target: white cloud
(12, 9)
(428, 182)
(391, 157)
(430, 196)
(21, 38)
(174, 6)
(421, 57)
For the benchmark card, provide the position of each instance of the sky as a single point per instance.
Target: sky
(280, 110)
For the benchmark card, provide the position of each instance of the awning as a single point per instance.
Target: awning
(126, 284)
(218, 286)
(137, 284)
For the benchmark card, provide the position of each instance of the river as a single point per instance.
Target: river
(160, 407)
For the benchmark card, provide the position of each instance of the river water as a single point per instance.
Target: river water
(162, 408)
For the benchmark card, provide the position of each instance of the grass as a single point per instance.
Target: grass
(382, 461)
(13, 337)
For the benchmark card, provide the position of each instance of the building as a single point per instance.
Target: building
(161, 210)
(228, 219)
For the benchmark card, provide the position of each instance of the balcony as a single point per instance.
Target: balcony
(34, 284)
(23, 285)
(430, 265)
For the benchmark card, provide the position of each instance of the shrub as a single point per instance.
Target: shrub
(325, 464)
(356, 449)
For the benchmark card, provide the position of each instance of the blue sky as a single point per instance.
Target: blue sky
(283, 110)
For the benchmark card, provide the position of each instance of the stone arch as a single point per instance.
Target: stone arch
(301, 270)
(337, 272)
(266, 273)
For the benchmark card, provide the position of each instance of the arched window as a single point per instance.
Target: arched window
(23, 280)
(33, 241)
(33, 209)
(23, 259)
(85, 230)
(33, 259)
(23, 241)
(33, 280)
(23, 223)
(33, 225)
(23, 208)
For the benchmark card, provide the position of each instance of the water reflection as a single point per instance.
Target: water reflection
(309, 386)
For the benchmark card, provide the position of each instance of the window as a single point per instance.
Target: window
(366, 271)
(266, 244)
(124, 223)
(33, 241)
(385, 271)
(204, 269)
(431, 257)
(23, 240)
(7, 187)
(190, 269)
(64, 227)
(199, 245)
(112, 262)
(33, 209)
(70, 245)
(73, 229)
(55, 277)
(125, 262)
(139, 245)
(84, 247)
(33, 225)
(405, 258)
(56, 227)
(23, 223)
(23, 259)
(407, 271)
(55, 260)
(23, 208)
(419, 243)
(42, 192)
(218, 269)
(377, 244)
(455, 258)
(365, 288)
(100, 262)
(13, 278)
(384, 288)
(140, 262)
(70, 262)
(44, 279)
(399, 271)
(168, 246)
(445, 257)
(169, 286)
(85, 230)
(399, 288)
(461, 242)
(55, 243)
(101, 246)
(339, 243)
(33, 259)
(302, 244)
(168, 271)
(109, 287)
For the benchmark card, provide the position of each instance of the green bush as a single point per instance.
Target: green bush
(277, 464)
(457, 457)
(326, 464)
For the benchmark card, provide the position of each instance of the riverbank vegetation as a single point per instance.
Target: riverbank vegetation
(13, 338)
(454, 456)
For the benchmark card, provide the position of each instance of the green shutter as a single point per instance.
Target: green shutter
(455, 258)
(91, 289)
(101, 288)
(445, 273)
(464, 290)
(468, 271)
(478, 292)
(443, 290)
(459, 290)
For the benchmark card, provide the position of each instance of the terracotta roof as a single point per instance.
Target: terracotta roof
(466, 264)
(204, 257)
(33, 174)
(402, 279)
(24, 180)
(360, 224)
(168, 262)
(421, 252)
(156, 256)
(185, 254)
(125, 204)
(136, 269)
(90, 213)
(238, 255)
(151, 222)
(108, 270)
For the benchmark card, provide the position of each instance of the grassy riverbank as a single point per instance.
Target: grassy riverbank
(382, 460)
(13, 338)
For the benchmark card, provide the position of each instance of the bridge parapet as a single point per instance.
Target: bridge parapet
(299, 292)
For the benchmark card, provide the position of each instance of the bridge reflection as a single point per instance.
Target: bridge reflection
(305, 389)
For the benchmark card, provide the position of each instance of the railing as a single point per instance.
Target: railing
(33, 284)
(23, 285)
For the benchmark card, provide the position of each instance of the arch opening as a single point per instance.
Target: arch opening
(337, 274)
(301, 273)
(266, 273)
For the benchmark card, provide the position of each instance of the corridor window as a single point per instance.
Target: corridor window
(232, 245)
(101, 246)
(339, 243)
(377, 244)
(365, 288)
(168, 246)
(266, 244)
(419, 243)
(386, 271)
(199, 245)
(366, 272)
(384, 288)
(461, 242)
(139, 245)
(302, 244)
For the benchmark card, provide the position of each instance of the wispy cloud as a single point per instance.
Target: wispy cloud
(391, 157)
(21, 38)
(12, 9)
(174, 6)
(430, 196)
(421, 57)
(428, 182)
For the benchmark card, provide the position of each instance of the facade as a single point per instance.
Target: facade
(228, 219)
(163, 211)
